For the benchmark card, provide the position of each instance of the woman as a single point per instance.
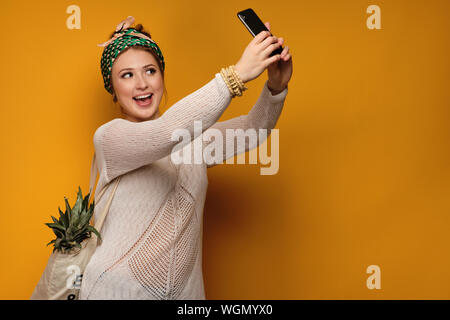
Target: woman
(151, 240)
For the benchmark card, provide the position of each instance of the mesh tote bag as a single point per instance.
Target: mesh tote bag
(63, 274)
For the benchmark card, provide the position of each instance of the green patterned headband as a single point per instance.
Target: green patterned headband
(121, 40)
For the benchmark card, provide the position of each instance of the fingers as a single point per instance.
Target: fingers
(261, 36)
(271, 48)
(267, 24)
(268, 41)
(286, 57)
(271, 60)
(285, 54)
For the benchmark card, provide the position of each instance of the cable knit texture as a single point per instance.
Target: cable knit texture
(152, 235)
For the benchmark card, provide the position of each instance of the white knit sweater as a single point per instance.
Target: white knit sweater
(152, 235)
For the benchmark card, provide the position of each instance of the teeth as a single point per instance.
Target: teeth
(142, 97)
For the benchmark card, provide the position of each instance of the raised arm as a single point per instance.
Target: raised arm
(123, 146)
(263, 115)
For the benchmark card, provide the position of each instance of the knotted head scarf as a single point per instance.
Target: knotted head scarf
(124, 37)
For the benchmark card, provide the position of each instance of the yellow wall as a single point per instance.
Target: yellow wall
(364, 142)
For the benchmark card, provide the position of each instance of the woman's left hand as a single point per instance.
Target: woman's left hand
(280, 71)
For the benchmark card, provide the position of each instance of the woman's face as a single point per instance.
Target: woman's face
(136, 74)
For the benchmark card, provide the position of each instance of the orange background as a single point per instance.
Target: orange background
(364, 142)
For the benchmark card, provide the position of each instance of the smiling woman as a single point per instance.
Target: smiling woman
(152, 236)
(138, 84)
(131, 68)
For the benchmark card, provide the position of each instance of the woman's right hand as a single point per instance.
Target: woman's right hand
(256, 57)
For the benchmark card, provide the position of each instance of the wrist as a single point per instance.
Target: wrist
(274, 90)
(241, 73)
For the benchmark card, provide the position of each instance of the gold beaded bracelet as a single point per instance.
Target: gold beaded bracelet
(224, 74)
(238, 80)
(242, 87)
(233, 81)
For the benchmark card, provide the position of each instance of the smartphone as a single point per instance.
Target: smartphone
(254, 24)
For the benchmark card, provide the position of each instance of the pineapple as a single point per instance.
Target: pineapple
(73, 226)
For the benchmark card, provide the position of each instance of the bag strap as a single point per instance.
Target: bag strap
(98, 224)
(93, 176)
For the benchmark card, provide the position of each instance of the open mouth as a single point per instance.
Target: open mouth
(143, 100)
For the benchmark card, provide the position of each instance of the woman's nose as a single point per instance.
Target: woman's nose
(141, 82)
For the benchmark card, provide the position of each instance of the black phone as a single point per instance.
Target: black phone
(254, 24)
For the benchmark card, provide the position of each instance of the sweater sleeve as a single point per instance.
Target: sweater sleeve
(263, 115)
(122, 146)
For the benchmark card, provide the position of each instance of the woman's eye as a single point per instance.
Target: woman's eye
(149, 71)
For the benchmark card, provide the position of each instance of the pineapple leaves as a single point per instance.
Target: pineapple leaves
(56, 226)
(68, 209)
(86, 201)
(58, 234)
(77, 207)
(92, 229)
(73, 227)
(84, 219)
(63, 218)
